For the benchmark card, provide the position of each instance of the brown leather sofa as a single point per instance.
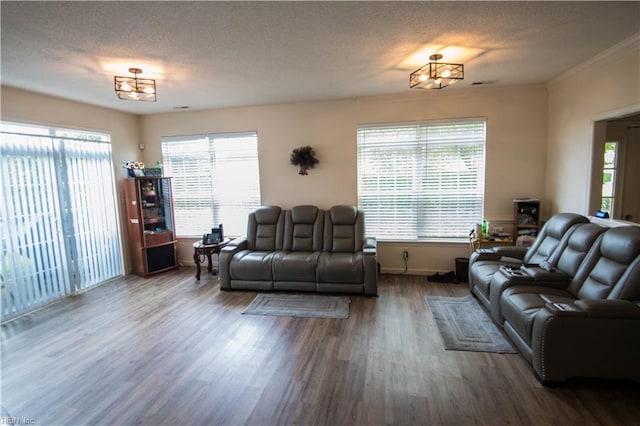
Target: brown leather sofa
(577, 312)
(302, 249)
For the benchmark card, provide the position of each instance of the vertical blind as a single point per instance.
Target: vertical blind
(421, 180)
(215, 180)
(58, 216)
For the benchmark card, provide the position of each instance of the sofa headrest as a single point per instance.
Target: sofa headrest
(621, 244)
(304, 214)
(343, 215)
(583, 237)
(267, 214)
(560, 223)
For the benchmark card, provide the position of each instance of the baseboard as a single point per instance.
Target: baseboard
(411, 271)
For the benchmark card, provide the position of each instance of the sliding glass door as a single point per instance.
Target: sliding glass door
(58, 215)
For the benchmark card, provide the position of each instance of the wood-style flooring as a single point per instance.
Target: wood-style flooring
(170, 350)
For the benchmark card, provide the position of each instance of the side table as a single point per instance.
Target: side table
(200, 251)
(489, 242)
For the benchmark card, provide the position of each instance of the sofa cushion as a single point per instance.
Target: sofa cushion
(519, 305)
(343, 229)
(341, 268)
(249, 265)
(611, 267)
(580, 242)
(550, 236)
(303, 228)
(295, 266)
(264, 229)
(482, 273)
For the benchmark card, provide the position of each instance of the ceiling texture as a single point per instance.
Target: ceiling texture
(228, 54)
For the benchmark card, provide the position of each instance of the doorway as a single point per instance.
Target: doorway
(615, 172)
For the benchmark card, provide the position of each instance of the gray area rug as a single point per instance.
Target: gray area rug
(296, 305)
(465, 326)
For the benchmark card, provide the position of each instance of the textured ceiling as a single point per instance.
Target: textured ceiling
(224, 54)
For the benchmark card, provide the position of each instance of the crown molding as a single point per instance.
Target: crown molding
(617, 51)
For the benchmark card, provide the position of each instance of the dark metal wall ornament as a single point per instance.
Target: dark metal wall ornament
(305, 158)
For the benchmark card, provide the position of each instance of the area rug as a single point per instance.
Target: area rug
(296, 305)
(465, 326)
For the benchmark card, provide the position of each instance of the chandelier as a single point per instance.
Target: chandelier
(436, 75)
(134, 88)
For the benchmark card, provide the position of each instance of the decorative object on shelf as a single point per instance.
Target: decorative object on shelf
(305, 158)
(132, 166)
(148, 190)
(134, 88)
(436, 75)
(154, 171)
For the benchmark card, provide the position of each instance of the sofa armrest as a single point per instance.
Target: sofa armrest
(609, 308)
(483, 254)
(516, 252)
(587, 338)
(224, 260)
(550, 278)
(370, 246)
(370, 260)
(507, 254)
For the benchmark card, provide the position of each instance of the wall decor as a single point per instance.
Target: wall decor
(305, 158)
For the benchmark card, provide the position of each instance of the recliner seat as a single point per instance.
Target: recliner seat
(302, 249)
(590, 327)
(483, 264)
(558, 271)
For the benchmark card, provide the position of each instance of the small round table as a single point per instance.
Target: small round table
(200, 250)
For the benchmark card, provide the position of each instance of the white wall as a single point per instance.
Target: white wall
(593, 91)
(516, 151)
(28, 107)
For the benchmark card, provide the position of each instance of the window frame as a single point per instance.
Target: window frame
(426, 152)
(216, 163)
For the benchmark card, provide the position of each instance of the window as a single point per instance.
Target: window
(609, 177)
(215, 180)
(421, 181)
(58, 215)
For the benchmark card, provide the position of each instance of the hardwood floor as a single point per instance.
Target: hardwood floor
(171, 350)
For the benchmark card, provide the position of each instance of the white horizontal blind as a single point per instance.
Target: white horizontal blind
(215, 180)
(420, 181)
(58, 215)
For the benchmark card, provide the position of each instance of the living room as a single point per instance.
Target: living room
(540, 139)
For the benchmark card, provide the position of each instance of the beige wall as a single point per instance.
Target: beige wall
(28, 107)
(607, 85)
(516, 123)
(516, 151)
(539, 144)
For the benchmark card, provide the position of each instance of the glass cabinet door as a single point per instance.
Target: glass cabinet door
(155, 205)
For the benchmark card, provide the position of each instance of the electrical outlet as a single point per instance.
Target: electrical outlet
(405, 253)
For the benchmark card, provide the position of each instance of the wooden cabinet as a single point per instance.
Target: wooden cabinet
(150, 224)
(526, 217)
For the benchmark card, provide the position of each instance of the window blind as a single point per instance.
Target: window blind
(215, 180)
(421, 181)
(58, 221)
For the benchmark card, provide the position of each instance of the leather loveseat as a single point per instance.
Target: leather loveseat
(576, 312)
(302, 249)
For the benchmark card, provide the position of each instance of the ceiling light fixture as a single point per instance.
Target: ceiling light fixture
(436, 75)
(134, 88)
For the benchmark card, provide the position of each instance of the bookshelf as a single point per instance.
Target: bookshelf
(526, 218)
